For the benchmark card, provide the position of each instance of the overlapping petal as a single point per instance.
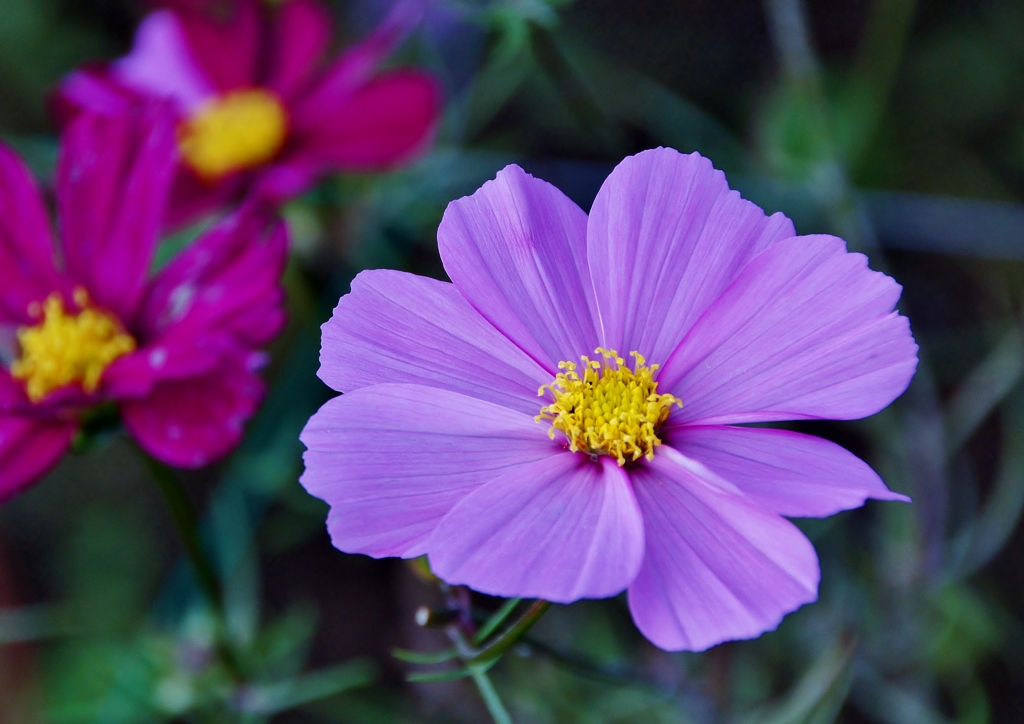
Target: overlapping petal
(111, 203)
(806, 330)
(29, 447)
(782, 471)
(516, 249)
(665, 237)
(560, 529)
(225, 46)
(717, 566)
(301, 35)
(27, 271)
(435, 339)
(393, 460)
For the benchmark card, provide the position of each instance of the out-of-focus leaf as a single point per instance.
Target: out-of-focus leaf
(818, 696)
(424, 658)
(274, 698)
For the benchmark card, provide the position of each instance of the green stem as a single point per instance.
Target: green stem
(496, 620)
(512, 634)
(187, 524)
(490, 695)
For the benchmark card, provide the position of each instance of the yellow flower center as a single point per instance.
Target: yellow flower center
(236, 132)
(65, 348)
(610, 410)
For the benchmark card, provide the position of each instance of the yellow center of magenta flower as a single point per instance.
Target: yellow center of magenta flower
(610, 410)
(68, 348)
(236, 132)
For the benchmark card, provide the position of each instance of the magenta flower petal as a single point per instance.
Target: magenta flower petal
(160, 64)
(806, 330)
(384, 122)
(26, 244)
(226, 48)
(194, 421)
(436, 339)
(516, 249)
(560, 529)
(666, 236)
(89, 89)
(301, 35)
(421, 451)
(782, 471)
(228, 280)
(108, 242)
(717, 566)
(29, 448)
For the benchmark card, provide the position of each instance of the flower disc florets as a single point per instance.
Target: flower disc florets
(68, 347)
(610, 410)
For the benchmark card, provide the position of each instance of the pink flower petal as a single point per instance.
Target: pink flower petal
(785, 472)
(301, 35)
(226, 49)
(717, 566)
(516, 249)
(28, 449)
(433, 338)
(560, 529)
(392, 460)
(805, 331)
(90, 89)
(355, 67)
(666, 236)
(385, 122)
(159, 65)
(228, 280)
(195, 421)
(111, 203)
(26, 244)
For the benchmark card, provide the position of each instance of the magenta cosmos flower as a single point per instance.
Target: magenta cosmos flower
(257, 106)
(86, 326)
(651, 329)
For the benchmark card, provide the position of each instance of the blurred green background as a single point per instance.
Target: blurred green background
(897, 125)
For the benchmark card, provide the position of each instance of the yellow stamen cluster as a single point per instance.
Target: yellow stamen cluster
(236, 132)
(68, 348)
(610, 410)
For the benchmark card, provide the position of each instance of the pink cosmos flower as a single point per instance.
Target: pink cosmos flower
(84, 325)
(257, 107)
(652, 329)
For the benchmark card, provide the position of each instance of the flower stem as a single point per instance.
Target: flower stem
(512, 634)
(489, 694)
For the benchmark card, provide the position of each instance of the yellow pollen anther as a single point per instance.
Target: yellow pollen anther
(609, 410)
(236, 132)
(64, 349)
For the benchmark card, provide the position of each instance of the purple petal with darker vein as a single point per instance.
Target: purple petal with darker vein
(392, 460)
(806, 330)
(516, 249)
(398, 327)
(561, 529)
(665, 237)
(785, 472)
(717, 566)
(28, 449)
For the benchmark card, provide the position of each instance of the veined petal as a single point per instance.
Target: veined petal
(717, 566)
(26, 243)
(665, 237)
(393, 460)
(560, 529)
(228, 280)
(29, 447)
(398, 327)
(516, 249)
(384, 122)
(192, 422)
(785, 472)
(806, 330)
(301, 35)
(161, 65)
(111, 204)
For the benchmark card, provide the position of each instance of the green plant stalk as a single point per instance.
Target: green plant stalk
(489, 694)
(512, 634)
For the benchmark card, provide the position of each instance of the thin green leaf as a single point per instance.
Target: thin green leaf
(424, 657)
